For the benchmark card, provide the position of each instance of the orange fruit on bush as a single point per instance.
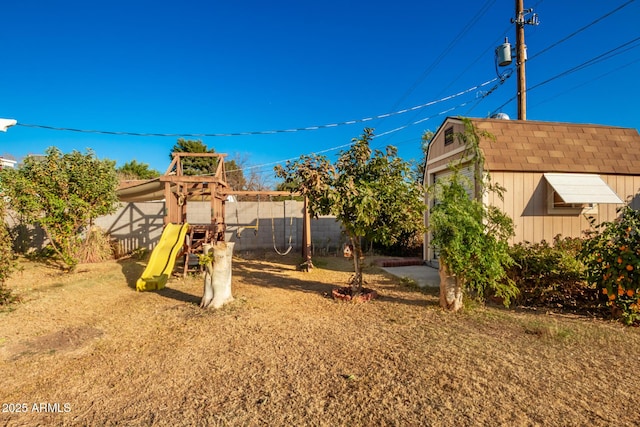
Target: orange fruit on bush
(629, 292)
(604, 291)
(619, 260)
(629, 267)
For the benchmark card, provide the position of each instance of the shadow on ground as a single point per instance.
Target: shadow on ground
(132, 270)
(272, 271)
(178, 295)
(278, 275)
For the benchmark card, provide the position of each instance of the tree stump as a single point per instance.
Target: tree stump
(217, 275)
(450, 290)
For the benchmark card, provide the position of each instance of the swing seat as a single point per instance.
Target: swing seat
(273, 231)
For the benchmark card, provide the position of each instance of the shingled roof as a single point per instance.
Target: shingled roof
(532, 146)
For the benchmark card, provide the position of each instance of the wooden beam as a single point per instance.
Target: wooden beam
(193, 179)
(261, 193)
(171, 165)
(306, 235)
(221, 155)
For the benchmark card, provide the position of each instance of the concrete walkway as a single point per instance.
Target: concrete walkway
(423, 275)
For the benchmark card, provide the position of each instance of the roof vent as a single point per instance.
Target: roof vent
(500, 116)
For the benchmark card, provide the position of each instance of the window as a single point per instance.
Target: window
(573, 193)
(556, 205)
(448, 136)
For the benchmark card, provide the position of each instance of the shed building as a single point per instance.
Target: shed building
(555, 175)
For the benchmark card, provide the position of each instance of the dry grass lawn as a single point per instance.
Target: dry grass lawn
(284, 353)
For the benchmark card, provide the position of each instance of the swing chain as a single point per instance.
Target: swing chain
(273, 228)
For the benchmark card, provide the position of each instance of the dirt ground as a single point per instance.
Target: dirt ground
(87, 349)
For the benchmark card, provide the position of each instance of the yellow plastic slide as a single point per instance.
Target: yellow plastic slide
(163, 258)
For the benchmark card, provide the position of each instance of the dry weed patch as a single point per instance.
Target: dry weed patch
(285, 353)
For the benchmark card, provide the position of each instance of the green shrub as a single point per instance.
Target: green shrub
(140, 254)
(7, 259)
(551, 275)
(409, 244)
(63, 194)
(471, 237)
(612, 258)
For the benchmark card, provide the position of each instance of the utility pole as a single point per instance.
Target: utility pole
(520, 60)
(521, 55)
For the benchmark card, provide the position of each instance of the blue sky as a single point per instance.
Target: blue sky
(213, 67)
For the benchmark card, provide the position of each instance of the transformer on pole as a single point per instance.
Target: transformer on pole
(504, 53)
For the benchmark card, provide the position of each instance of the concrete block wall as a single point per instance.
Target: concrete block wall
(327, 236)
(251, 225)
(277, 225)
(135, 225)
(264, 224)
(199, 212)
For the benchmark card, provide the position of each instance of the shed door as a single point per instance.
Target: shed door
(468, 174)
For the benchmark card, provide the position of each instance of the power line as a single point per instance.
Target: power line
(588, 63)
(478, 58)
(277, 162)
(589, 81)
(505, 76)
(446, 50)
(378, 135)
(592, 61)
(606, 15)
(479, 15)
(266, 132)
(486, 5)
(483, 10)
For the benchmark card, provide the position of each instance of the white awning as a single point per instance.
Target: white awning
(581, 188)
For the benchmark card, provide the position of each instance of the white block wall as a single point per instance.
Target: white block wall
(251, 225)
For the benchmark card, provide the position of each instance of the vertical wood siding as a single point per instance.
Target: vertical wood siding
(525, 202)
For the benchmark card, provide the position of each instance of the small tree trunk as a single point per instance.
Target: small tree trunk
(450, 289)
(64, 254)
(217, 277)
(358, 257)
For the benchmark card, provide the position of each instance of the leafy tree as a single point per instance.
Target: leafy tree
(373, 194)
(251, 181)
(286, 186)
(135, 170)
(235, 176)
(472, 238)
(425, 140)
(257, 181)
(238, 180)
(611, 254)
(7, 262)
(195, 165)
(63, 193)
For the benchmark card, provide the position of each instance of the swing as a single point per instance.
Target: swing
(273, 230)
(255, 227)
